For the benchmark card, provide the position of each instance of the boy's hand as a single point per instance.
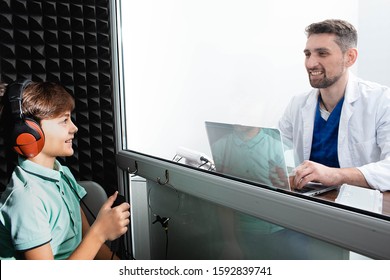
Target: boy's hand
(112, 222)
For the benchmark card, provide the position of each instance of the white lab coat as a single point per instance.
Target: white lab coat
(364, 129)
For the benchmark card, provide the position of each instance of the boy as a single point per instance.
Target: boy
(40, 214)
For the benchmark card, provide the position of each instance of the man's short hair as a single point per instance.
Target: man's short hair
(346, 34)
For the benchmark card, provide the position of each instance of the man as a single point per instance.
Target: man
(341, 129)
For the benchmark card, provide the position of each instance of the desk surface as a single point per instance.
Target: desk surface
(332, 195)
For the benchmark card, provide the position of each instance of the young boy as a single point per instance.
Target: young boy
(40, 213)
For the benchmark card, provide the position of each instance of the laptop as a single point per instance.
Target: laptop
(256, 154)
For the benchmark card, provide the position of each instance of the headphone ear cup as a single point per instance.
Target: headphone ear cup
(29, 138)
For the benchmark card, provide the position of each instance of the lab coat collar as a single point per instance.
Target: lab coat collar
(351, 91)
(308, 112)
(351, 95)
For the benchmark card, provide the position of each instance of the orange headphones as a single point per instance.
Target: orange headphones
(27, 136)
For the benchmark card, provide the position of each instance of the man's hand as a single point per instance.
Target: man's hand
(310, 171)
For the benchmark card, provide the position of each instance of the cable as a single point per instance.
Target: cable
(119, 200)
(81, 200)
(115, 244)
(166, 243)
(164, 223)
(163, 220)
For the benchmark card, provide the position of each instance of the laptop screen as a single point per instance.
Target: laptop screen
(252, 153)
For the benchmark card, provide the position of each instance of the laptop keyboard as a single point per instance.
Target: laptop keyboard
(304, 189)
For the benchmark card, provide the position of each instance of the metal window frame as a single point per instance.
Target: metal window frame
(357, 231)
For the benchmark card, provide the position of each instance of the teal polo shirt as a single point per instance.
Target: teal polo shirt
(40, 205)
(253, 160)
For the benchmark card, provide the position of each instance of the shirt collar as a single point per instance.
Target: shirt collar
(251, 142)
(41, 171)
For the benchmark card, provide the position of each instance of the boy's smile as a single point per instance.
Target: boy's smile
(59, 135)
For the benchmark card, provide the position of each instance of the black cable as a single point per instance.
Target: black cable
(207, 161)
(164, 223)
(119, 200)
(166, 243)
(81, 200)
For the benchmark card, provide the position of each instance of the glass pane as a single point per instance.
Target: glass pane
(197, 229)
(186, 63)
(251, 153)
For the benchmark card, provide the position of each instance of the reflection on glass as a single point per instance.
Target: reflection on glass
(256, 154)
(193, 70)
(199, 229)
(252, 153)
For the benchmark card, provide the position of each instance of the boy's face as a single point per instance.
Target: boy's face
(59, 133)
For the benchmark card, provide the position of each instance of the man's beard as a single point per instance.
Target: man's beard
(324, 82)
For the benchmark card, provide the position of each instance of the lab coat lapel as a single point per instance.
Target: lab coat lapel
(351, 95)
(308, 113)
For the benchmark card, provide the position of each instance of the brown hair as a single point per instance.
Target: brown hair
(346, 34)
(40, 100)
(46, 100)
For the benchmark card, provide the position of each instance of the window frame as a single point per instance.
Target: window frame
(343, 226)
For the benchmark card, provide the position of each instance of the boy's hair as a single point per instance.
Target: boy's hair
(46, 100)
(40, 100)
(346, 34)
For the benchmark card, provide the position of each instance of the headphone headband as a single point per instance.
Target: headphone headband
(15, 93)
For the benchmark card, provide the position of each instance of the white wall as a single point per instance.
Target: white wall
(374, 40)
(221, 60)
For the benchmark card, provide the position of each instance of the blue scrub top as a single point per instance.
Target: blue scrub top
(325, 135)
